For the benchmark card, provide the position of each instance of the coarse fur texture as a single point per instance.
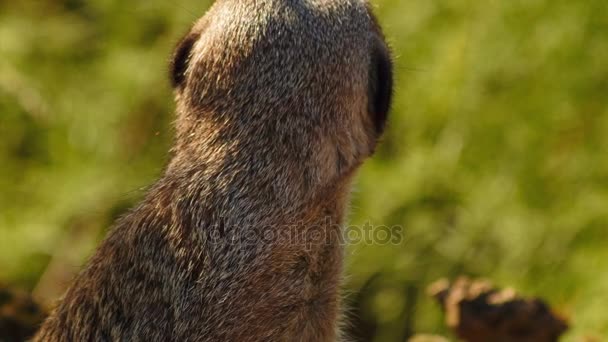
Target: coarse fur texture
(278, 103)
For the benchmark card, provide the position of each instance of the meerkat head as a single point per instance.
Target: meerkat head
(304, 83)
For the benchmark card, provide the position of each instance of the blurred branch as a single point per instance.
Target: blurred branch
(28, 98)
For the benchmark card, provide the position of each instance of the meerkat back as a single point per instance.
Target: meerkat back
(278, 102)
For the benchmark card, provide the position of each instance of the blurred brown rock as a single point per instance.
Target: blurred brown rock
(478, 312)
(20, 316)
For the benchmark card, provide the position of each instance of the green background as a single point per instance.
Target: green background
(494, 162)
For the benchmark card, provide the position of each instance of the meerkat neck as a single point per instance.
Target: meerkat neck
(222, 187)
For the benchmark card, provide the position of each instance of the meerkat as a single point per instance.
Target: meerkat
(278, 102)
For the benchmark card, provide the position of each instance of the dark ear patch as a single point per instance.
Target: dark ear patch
(381, 84)
(181, 57)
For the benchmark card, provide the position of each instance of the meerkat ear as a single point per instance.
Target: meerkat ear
(180, 59)
(381, 83)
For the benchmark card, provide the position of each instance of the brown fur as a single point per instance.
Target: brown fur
(278, 103)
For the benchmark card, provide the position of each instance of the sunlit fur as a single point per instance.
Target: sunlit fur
(278, 103)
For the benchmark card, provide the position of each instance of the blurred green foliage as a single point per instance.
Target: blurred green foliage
(494, 162)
